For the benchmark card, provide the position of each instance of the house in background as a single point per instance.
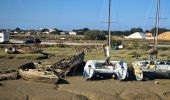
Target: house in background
(68, 33)
(149, 35)
(72, 33)
(15, 32)
(4, 37)
(63, 33)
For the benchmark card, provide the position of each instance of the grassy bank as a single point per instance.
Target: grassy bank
(57, 52)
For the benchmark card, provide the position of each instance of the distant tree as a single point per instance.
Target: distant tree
(117, 33)
(126, 33)
(18, 29)
(94, 35)
(81, 31)
(136, 30)
(85, 29)
(56, 31)
(2, 30)
(45, 30)
(161, 30)
(147, 31)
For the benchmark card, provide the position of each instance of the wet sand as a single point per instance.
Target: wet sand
(77, 88)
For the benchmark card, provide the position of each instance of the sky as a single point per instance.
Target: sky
(77, 14)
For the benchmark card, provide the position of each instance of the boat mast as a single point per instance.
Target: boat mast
(157, 25)
(109, 23)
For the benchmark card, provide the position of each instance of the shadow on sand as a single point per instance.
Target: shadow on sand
(62, 81)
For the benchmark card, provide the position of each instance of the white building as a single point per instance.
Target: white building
(137, 35)
(63, 33)
(4, 37)
(72, 33)
(15, 32)
(68, 33)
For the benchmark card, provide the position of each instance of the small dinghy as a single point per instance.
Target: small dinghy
(36, 72)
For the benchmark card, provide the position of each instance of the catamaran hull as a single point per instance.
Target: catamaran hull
(118, 69)
(152, 75)
(138, 73)
(142, 70)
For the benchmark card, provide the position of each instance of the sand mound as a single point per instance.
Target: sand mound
(164, 36)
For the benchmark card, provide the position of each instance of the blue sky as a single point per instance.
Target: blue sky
(76, 14)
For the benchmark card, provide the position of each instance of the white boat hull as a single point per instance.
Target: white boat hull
(117, 68)
(137, 72)
(161, 69)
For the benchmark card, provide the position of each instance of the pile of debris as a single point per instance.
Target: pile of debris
(23, 50)
(8, 74)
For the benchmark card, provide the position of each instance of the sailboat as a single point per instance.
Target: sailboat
(152, 68)
(100, 68)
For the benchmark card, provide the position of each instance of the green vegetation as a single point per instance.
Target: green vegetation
(23, 56)
(94, 35)
(35, 56)
(132, 52)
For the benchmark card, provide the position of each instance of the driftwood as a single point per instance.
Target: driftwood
(7, 74)
(64, 66)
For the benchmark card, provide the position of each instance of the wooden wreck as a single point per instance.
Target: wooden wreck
(36, 72)
(64, 66)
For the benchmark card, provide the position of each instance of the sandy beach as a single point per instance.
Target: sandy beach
(77, 88)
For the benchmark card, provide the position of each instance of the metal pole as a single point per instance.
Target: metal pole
(109, 23)
(157, 24)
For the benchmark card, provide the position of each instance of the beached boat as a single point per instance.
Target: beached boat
(36, 72)
(64, 66)
(152, 68)
(118, 69)
(145, 69)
